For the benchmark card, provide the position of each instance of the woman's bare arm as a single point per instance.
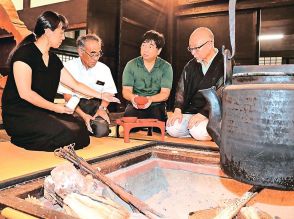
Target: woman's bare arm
(23, 79)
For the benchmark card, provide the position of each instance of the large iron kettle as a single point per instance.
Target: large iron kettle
(254, 124)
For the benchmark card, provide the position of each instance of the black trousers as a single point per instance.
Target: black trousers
(99, 126)
(41, 130)
(156, 111)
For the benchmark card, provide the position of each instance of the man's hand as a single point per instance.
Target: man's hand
(109, 97)
(148, 103)
(87, 118)
(103, 114)
(196, 119)
(67, 97)
(133, 101)
(177, 115)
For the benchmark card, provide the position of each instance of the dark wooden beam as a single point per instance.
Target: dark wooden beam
(135, 23)
(26, 4)
(77, 26)
(154, 6)
(74, 10)
(258, 31)
(277, 23)
(170, 33)
(241, 5)
(190, 2)
(278, 53)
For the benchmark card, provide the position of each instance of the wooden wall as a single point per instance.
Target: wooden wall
(275, 17)
(74, 10)
(121, 24)
(218, 23)
(278, 20)
(137, 17)
(104, 20)
(190, 14)
(7, 44)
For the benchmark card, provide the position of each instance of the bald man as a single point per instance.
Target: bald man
(205, 70)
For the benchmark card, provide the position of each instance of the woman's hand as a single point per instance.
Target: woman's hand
(58, 108)
(109, 97)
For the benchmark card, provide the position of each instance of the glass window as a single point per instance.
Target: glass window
(270, 60)
(18, 4)
(37, 3)
(64, 58)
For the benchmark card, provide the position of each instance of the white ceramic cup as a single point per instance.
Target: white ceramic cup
(73, 102)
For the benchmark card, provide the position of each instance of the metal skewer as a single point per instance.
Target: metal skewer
(69, 154)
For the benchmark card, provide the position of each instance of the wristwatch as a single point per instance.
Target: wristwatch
(102, 107)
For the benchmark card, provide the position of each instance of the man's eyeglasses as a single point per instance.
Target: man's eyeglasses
(197, 47)
(94, 54)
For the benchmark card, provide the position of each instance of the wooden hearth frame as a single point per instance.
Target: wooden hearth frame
(17, 190)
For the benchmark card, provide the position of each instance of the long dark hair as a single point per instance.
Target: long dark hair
(48, 19)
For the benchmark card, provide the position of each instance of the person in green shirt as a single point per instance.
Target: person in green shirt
(150, 76)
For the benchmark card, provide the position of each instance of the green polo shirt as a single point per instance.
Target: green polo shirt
(147, 83)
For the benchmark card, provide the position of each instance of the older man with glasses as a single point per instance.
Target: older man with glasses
(88, 70)
(205, 70)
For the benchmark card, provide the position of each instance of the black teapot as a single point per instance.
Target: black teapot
(253, 122)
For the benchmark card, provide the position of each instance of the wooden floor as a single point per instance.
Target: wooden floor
(16, 162)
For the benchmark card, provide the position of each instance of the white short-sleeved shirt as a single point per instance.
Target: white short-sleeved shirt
(98, 77)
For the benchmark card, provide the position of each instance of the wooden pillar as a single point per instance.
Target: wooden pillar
(103, 19)
(258, 32)
(26, 4)
(170, 44)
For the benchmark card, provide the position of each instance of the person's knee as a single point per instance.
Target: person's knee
(79, 135)
(100, 128)
(172, 132)
(177, 130)
(199, 132)
(82, 142)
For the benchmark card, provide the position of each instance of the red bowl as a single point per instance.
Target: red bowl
(147, 120)
(140, 100)
(129, 119)
(140, 106)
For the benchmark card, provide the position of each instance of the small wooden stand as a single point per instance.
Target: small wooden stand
(140, 123)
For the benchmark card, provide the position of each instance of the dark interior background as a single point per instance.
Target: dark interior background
(121, 23)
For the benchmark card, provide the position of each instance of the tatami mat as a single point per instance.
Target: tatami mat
(142, 135)
(15, 161)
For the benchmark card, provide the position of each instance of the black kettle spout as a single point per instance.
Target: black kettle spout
(214, 124)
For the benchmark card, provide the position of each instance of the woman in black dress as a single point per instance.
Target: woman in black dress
(30, 116)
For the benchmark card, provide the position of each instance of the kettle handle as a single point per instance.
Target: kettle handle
(228, 71)
(228, 65)
(232, 20)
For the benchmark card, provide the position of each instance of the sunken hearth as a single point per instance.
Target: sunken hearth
(175, 180)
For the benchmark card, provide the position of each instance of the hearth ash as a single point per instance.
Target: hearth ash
(81, 196)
